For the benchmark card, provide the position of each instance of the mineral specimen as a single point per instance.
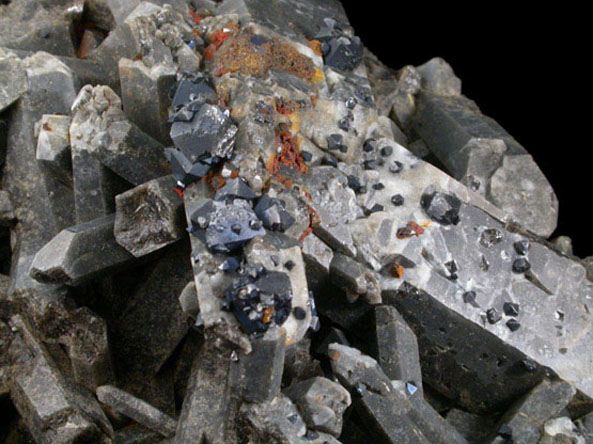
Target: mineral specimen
(219, 224)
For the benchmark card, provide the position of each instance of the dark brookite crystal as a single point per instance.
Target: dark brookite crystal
(259, 298)
(327, 284)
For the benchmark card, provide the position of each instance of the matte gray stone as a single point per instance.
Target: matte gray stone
(100, 127)
(280, 421)
(479, 152)
(585, 425)
(121, 9)
(151, 323)
(53, 145)
(36, 26)
(6, 208)
(564, 244)
(95, 186)
(88, 350)
(136, 434)
(307, 21)
(561, 430)
(299, 364)
(335, 204)
(207, 402)
(158, 34)
(318, 257)
(145, 94)
(474, 428)
(38, 219)
(355, 278)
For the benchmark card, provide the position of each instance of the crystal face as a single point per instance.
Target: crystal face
(259, 299)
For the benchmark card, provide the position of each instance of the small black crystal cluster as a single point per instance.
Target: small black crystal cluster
(340, 51)
(202, 131)
(204, 135)
(258, 298)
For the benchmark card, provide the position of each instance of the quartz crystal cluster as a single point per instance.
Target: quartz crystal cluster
(228, 222)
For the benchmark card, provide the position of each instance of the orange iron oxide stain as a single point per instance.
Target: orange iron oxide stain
(179, 192)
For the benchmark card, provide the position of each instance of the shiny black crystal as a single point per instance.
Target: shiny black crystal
(397, 200)
(493, 315)
(442, 208)
(521, 265)
(273, 214)
(510, 309)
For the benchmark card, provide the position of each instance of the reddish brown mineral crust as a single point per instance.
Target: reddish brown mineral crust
(267, 317)
(239, 54)
(285, 106)
(290, 155)
(179, 192)
(314, 220)
(396, 270)
(411, 229)
(196, 17)
(315, 45)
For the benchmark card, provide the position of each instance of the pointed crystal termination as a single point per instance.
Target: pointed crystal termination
(100, 125)
(88, 349)
(280, 420)
(524, 421)
(72, 258)
(149, 217)
(397, 347)
(13, 80)
(146, 96)
(53, 145)
(393, 415)
(478, 151)
(322, 403)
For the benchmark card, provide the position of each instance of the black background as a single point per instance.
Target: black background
(529, 70)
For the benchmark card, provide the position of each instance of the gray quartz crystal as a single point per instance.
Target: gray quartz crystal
(146, 96)
(53, 145)
(393, 415)
(136, 409)
(526, 418)
(438, 78)
(13, 80)
(479, 152)
(55, 409)
(100, 125)
(78, 260)
(322, 403)
(149, 216)
(397, 347)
